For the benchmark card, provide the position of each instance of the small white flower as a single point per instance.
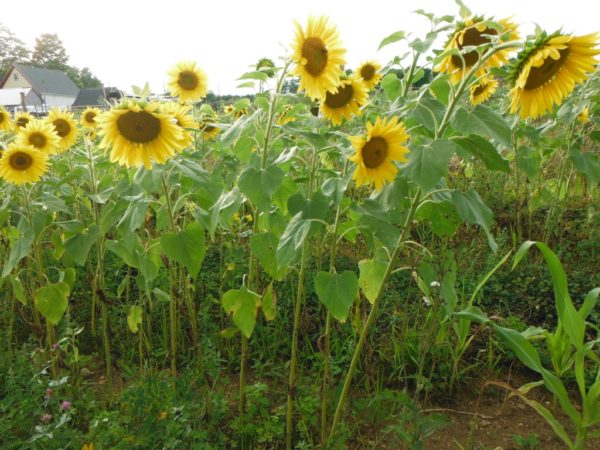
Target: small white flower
(435, 284)
(427, 301)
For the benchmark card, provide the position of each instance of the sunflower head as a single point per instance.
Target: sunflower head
(41, 135)
(181, 114)
(547, 70)
(345, 100)
(584, 115)
(482, 90)
(187, 81)
(267, 66)
(369, 73)
(228, 109)
(21, 119)
(138, 133)
(377, 151)
(473, 32)
(21, 164)
(285, 116)
(89, 116)
(319, 57)
(4, 120)
(64, 125)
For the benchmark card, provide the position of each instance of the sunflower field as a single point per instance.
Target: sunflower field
(351, 258)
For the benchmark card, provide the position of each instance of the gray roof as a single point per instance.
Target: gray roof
(48, 81)
(89, 97)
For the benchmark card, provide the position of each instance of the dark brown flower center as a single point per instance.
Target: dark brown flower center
(538, 76)
(140, 127)
(367, 72)
(374, 152)
(61, 127)
(480, 89)
(2, 117)
(341, 98)
(315, 52)
(22, 122)
(38, 140)
(472, 37)
(187, 80)
(20, 161)
(90, 117)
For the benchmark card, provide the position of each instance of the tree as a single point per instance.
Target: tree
(49, 52)
(12, 49)
(83, 78)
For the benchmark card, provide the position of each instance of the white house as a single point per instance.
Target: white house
(42, 88)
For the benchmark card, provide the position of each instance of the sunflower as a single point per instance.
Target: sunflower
(4, 119)
(319, 57)
(22, 119)
(183, 119)
(137, 134)
(584, 115)
(64, 126)
(474, 32)
(548, 70)
(267, 66)
(345, 101)
(369, 72)
(228, 109)
(89, 116)
(41, 135)
(482, 90)
(376, 152)
(187, 81)
(22, 164)
(209, 131)
(285, 116)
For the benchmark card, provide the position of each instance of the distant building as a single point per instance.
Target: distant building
(39, 89)
(96, 97)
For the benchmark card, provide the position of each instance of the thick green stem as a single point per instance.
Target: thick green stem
(373, 315)
(98, 285)
(172, 287)
(327, 335)
(291, 394)
(411, 73)
(243, 359)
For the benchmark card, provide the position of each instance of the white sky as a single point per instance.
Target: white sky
(127, 42)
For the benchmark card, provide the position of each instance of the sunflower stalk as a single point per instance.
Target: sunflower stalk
(39, 265)
(252, 266)
(327, 335)
(98, 283)
(172, 284)
(402, 238)
(291, 394)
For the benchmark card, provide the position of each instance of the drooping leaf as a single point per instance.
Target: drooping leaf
(588, 164)
(51, 301)
(484, 151)
(18, 289)
(186, 247)
(442, 216)
(20, 246)
(337, 292)
(242, 304)
(472, 210)
(529, 160)
(268, 303)
(78, 247)
(429, 163)
(391, 86)
(484, 121)
(134, 318)
(371, 276)
(291, 241)
(260, 184)
(264, 246)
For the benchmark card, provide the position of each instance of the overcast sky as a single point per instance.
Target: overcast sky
(126, 42)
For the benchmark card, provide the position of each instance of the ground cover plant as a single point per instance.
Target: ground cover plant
(331, 263)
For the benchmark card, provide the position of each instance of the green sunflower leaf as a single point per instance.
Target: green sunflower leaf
(51, 301)
(242, 304)
(337, 292)
(187, 247)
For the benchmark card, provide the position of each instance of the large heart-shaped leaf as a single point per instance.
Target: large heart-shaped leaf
(337, 292)
(242, 304)
(186, 247)
(51, 301)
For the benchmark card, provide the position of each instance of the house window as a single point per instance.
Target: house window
(16, 76)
